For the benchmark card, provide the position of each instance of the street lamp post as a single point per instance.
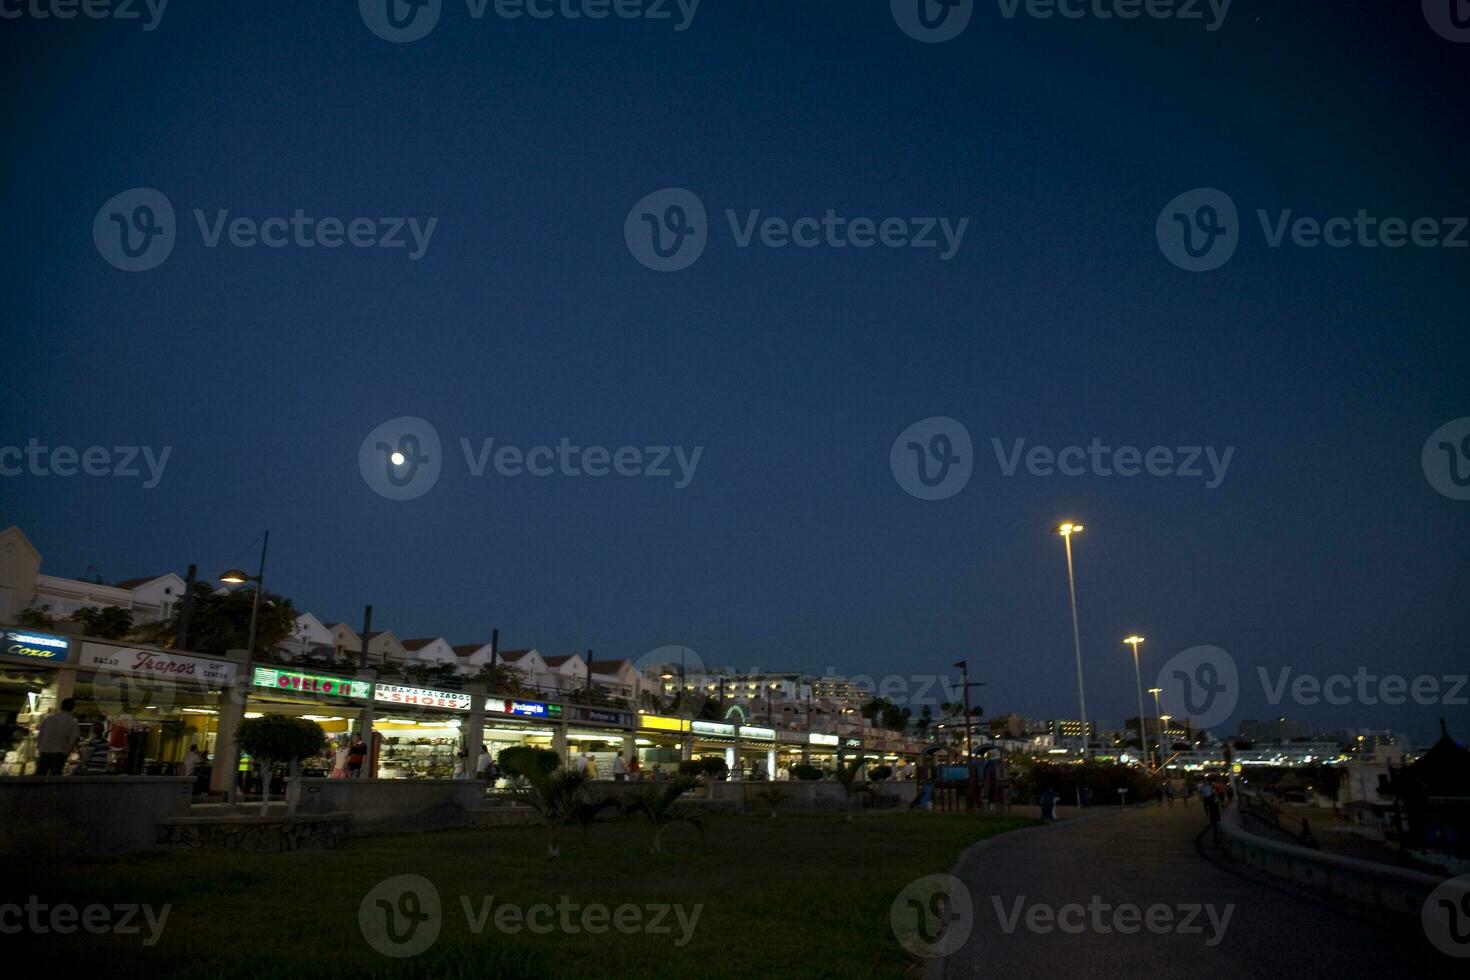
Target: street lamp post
(1066, 530)
(1158, 712)
(1134, 641)
(235, 576)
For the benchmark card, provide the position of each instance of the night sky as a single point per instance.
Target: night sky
(1059, 320)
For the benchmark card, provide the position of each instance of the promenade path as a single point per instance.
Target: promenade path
(1106, 861)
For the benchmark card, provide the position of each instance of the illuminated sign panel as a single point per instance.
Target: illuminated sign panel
(762, 734)
(523, 709)
(421, 698)
(662, 723)
(30, 647)
(294, 683)
(713, 728)
(853, 743)
(601, 715)
(817, 738)
(151, 663)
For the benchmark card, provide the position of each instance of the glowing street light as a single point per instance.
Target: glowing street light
(1066, 530)
(1134, 641)
(236, 576)
(1158, 713)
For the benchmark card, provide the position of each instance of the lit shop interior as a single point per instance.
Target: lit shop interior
(25, 695)
(151, 722)
(660, 742)
(419, 736)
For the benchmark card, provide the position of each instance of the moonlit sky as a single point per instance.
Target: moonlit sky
(527, 320)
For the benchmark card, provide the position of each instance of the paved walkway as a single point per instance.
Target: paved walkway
(1105, 863)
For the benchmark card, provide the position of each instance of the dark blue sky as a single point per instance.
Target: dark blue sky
(527, 320)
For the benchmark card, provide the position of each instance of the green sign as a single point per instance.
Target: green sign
(294, 683)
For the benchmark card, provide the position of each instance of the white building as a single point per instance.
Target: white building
(151, 599)
(562, 674)
(431, 651)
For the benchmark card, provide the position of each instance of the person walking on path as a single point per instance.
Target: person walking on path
(485, 766)
(56, 737)
(1211, 800)
(356, 756)
(95, 754)
(1169, 792)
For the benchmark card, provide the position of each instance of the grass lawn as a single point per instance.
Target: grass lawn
(801, 895)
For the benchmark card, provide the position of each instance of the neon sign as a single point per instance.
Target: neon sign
(35, 647)
(283, 680)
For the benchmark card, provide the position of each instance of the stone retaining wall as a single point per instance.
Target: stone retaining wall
(88, 814)
(258, 834)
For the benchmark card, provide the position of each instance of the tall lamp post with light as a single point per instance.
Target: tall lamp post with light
(1158, 713)
(235, 576)
(1133, 641)
(1066, 530)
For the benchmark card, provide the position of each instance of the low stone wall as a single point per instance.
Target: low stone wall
(1342, 879)
(389, 806)
(88, 814)
(258, 834)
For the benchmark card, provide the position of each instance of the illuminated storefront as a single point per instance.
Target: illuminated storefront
(510, 722)
(157, 703)
(30, 665)
(421, 730)
(599, 733)
(661, 742)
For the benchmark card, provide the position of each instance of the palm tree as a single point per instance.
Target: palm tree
(555, 797)
(660, 805)
(772, 796)
(586, 813)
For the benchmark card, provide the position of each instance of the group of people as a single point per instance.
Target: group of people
(61, 734)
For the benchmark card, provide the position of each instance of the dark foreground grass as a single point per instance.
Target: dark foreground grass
(796, 896)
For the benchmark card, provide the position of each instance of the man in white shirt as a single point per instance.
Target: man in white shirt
(57, 736)
(620, 768)
(483, 766)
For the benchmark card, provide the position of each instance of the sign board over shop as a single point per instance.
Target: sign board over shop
(32, 647)
(713, 728)
(285, 680)
(523, 709)
(152, 663)
(853, 743)
(421, 698)
(663, 723)
(817, 738)
(760, 734)
(602, 716)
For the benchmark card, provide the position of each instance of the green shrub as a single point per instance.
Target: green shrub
(280, 738)
(878, 773)
(807, 772)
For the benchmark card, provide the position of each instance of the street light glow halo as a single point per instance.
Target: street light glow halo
(234, 576)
